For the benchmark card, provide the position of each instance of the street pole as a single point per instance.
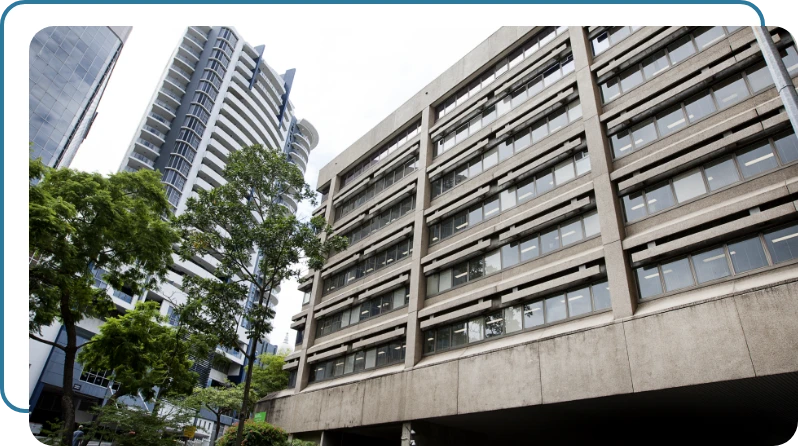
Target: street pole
(781, 78)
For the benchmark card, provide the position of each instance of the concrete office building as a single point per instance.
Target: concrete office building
(573, 235)
(216, 95)
(69, 69)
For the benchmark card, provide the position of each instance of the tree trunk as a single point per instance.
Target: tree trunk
(70, 351)
(248, 380)
(218, 425)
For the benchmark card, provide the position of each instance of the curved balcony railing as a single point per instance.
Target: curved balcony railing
(154, 131)
(143, 159)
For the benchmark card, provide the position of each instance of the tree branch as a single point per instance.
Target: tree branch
(43, 341)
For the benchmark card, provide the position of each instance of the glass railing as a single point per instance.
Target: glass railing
(166, 106)
(143, 159)
(159, 118)
(188, 36)
(123, 296)
(171, 95)
(146, 143)
(188, 62)
(154, 131)
(193, 53)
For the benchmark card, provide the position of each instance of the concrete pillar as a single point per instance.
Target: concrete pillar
(781, 77)
(624, 299)
(418, 284)
(407, 434)
(315, 298)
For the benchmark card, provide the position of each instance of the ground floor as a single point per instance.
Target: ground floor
(755, 411)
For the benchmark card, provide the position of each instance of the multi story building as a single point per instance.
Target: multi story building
(570, 227)
(216, 95)
(69, 69)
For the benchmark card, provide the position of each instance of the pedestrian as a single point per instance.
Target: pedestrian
(77, 436)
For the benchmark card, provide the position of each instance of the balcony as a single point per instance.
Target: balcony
(147, 147)
(159, 121)
(121, 295)
(195, 31)
(139, 160)
(181, 74)
(183, 49)
(153, 133)
(175, 85)
(165, 108)
(169, 96)
(186, 63)
(194, 41)
(212, 177)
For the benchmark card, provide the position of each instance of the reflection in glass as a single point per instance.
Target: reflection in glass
(711, 265)
(747, 255)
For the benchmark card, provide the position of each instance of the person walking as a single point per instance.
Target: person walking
(77, 436)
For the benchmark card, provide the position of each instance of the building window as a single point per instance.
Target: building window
(375, 189)
(611, 37)
(721, 95)
(576, 302)
(100, 378)
(507, 199)
(382, 220)
(769, 248)
(382, 355)
(663, 60)
(552, 74)
(526, 50)
(379, 155)
(373, 307)
(509, 254)
(381, 259)
(750, 161)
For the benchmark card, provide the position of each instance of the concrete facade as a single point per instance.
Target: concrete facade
(491, 340)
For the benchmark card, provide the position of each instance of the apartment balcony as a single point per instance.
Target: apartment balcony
(198, 33)
(191, 268)
(169, 96)
(209, 175)
(216, 148)
(301, 150)
(248, 61)
(192, 40)
(175, 85)
(213, 162)
(161, 107)
(140, 161)
(184, 76)
(185, 62)
(147, 148)
(122, 296)
(153, 135)
(298, 160)
(191, 54)
(199, 183)
(159, 122)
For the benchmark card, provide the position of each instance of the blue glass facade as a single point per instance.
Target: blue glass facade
(69, 69)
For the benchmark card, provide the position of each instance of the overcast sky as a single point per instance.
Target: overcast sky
(348, 79)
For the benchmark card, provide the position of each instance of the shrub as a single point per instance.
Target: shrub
(255, 434)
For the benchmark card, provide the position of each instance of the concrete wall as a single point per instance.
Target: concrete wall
(737, 336)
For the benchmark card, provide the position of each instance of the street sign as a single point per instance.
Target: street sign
(260, 417)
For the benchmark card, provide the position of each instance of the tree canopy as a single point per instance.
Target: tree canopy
(84, 226)
(257, 239)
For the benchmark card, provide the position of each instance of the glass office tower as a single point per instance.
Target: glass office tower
(69, 69)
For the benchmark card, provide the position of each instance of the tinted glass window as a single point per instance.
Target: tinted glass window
(756, 160)
(677, 275)
(783, 244)
(721, 173)
(711, 265)
(747, 255)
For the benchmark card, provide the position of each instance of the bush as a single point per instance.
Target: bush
(256, 433)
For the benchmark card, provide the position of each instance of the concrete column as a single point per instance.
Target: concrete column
(407, 434)
(624, 300)
(418, 284)
(781, 77)
(315, 298)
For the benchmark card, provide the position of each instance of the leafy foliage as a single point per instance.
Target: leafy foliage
(218, 400)
(256, 433)
(269, 376)
(145, 355)
(131, 426)
(231, 222)
(80, 223)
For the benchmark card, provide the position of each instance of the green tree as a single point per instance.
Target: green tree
(147, 357)
(247, 215)
(256, 433)
(80, 223)
(124, 425)
(269, 376)
(218, 400)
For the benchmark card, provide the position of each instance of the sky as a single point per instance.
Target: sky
(348, 79)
